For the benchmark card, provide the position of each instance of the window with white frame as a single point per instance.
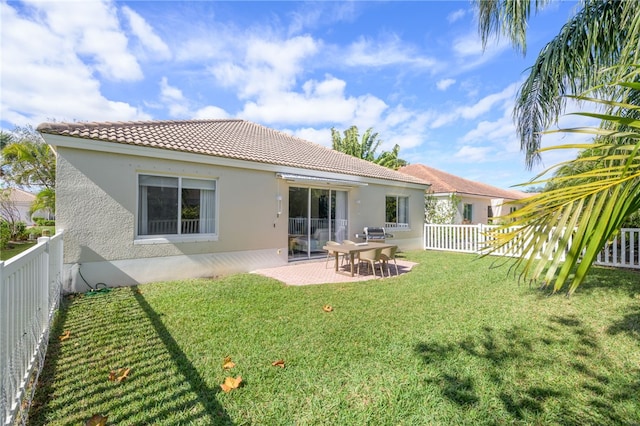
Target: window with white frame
(396, 212)
(175, 205)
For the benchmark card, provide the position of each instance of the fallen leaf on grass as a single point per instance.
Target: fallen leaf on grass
(119, 375)
(65, 336)
(327, 308)
(227, 364)
(230, 383)
(278, 363)
(96, 420)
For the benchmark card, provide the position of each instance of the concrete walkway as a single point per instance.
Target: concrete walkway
(321, 272)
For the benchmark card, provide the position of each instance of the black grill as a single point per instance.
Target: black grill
(375, 234)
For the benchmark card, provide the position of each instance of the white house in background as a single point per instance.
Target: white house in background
(478, 202)
(19, 202)
(161, 200)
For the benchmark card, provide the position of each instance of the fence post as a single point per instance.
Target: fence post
(5, 398)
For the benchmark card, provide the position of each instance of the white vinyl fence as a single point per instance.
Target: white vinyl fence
(30, 288)
(622, 252)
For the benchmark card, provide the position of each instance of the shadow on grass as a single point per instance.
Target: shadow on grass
(47, 376)
(116, 330)
(561, 377)
(206, 395)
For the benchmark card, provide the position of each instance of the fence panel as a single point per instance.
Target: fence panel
(623, 251)
(30, 288)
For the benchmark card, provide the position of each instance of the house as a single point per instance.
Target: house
(17, 205)
(476, 202)
(160, 200)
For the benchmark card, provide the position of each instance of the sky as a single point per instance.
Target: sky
(415, 72)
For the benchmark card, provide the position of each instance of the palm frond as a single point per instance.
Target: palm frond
(560, 232)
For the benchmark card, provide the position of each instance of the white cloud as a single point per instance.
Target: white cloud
(145, 33)
(456, 15)
(473, 154)
(174, 100)
(321, 136)
(91, 30)
(445, 83)
(301, 108)
(490, 102)
(391, 51)
(267, 67)
(467, 48)
(210, 113)
(43, 76)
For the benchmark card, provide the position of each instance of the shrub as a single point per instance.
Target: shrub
(41, 221)
(5, 234)
(632, 221)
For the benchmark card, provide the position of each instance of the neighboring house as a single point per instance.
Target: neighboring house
(477, 202)
(18, 204)
(161, 200)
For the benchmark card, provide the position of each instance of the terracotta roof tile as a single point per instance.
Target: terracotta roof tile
(446, 182)
(19, 196)
(231, 138)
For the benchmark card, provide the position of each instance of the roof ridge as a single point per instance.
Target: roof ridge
(227, 138)
(43, 127)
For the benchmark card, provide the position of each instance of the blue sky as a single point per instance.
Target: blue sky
(413, 71)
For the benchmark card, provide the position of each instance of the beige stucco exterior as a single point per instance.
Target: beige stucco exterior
(96, 204)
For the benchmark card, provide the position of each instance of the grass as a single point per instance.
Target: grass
(453, 342)
(15, 248)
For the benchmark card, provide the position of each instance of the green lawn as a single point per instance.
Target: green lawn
(15, 248)
(453, 342)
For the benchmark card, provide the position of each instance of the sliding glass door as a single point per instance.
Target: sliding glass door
(315, 216)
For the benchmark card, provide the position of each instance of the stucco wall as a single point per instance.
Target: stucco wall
(96, 205)
(96, 202)
(367, 206)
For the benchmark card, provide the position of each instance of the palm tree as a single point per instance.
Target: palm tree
(601, 35)
(562, 230)
(365, 147)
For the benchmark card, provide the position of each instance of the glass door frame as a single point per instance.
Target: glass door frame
(323, 218)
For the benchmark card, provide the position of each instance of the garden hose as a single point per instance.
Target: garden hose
(99, 288)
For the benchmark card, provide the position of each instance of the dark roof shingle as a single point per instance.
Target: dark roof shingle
(229, 138)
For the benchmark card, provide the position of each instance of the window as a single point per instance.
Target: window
(175, 206)
(512, 209)
(397, 212)
(467, 213)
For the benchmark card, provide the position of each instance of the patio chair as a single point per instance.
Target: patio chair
(331, 253)
(345, 257)
(371, 257)
(387, 255)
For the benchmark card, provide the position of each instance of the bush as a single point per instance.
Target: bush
(19, 231)
(632, 221)
(5, 234)
(41, 221)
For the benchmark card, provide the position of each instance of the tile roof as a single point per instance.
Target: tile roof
(442, 182)
(17, 195)
(229, 138)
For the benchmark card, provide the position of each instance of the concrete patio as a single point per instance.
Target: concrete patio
(321, 272)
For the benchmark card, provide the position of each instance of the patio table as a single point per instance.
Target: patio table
(352, 249)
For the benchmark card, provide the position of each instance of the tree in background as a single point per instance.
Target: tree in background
(5, 139)
(27, 161)
(9, 214)
(439, 211)
(562, 230)
(583, 56)
(366, 147)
